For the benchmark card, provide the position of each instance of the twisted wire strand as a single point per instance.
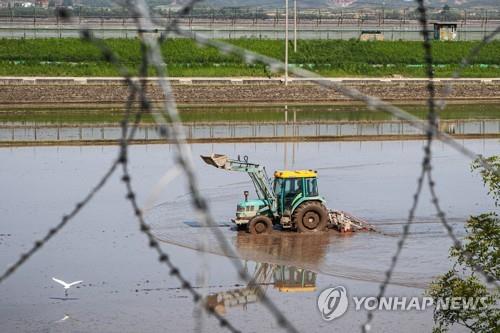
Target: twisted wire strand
(163, 257)
(457, 244)
(24, 257)
(463, 64)
(426, 162)
(431, 131)
(426, 170)
(122, 159)
(373, 103)
(433, 122)
(184, 156)
(430, 180)
(38, 244)
(145, 106)
(163, 131)
(184, 159)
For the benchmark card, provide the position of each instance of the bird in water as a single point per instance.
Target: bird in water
(66, 285)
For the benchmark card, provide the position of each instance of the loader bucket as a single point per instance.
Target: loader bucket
(216, 160)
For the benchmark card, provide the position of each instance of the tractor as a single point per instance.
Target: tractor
(290, 200)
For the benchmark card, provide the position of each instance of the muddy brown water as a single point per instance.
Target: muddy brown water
(125, 289)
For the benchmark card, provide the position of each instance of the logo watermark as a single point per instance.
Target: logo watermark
(333, 303)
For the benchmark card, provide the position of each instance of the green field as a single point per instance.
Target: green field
(73, 57)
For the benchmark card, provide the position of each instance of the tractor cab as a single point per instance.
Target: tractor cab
(294, 187)
(298, 202)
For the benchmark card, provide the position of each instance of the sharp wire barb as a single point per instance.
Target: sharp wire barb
(463, 64)
(64, 221)
(426, 162)
(426, 170)
(163, 257)
(373, 103)
(169, 127)
(169, 111)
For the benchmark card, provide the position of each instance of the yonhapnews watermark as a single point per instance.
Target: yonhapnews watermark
(333, 302)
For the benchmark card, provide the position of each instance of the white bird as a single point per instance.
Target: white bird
(66, 285)
(66, 317)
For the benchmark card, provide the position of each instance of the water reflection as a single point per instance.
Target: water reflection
(67, 318)
(230, 123)
(264, 249)
(284, 247)
(64, 298)
(283, 278)
(251, 131)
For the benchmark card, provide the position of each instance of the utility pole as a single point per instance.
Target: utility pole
(294, 25)
(34, 20)
(286, 42)
(383, 12)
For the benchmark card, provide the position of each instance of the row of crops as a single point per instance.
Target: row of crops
(19, 57)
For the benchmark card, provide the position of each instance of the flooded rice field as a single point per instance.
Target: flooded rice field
(124, 287)
(244, 123)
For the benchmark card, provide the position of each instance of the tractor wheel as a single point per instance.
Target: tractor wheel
(260, 225)
(311, 216)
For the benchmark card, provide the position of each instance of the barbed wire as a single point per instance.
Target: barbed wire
(38, 244)
(122, 159)
(144, 25)
(373, 103)
(431, 129)
(426, 170)
(146, 106)
(170, 127)
(434, 198)
(24, 257)
(184, 159)
(163, 257)
(464, 63)
(426, 162)
(457, 244)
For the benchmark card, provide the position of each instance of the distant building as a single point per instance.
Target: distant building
(27, 4)
(18, 3)
(342, 3)
(445, 30)
(367, 35)
(42, 3)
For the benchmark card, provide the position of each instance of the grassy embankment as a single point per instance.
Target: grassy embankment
(73, 57)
